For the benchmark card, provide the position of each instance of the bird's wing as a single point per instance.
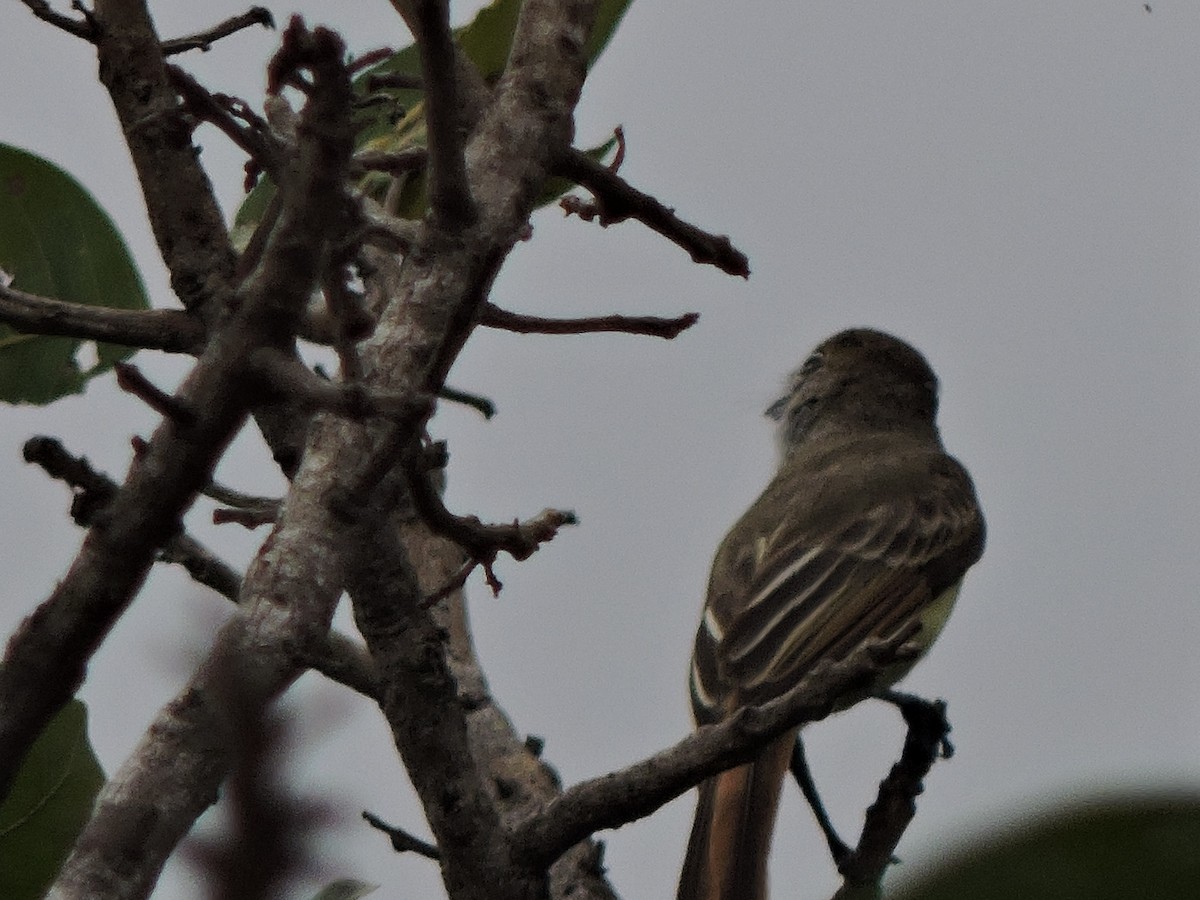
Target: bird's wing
(815, 587)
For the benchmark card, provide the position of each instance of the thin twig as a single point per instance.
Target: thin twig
(483, 542)
(203, 40)
(452, 584)
(131, 379)
(253, 137)
(655, 326)
(486, 407)
(617, 200)
(372, 57)
(402, 841)
(81, 28)
(235, 498)
(247, 518)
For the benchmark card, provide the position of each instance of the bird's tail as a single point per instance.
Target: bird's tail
(731, 836)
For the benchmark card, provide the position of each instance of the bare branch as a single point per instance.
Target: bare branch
(81, 28)
(616, 200)
(402, 841)
(187, 220)
(293, 585)
(449, 191)
(172, 330)
(203, 40)
(399, 162)
(483, 542)
(340, 658)
(485, 406)
(237, 499)
(254, 137)
(248, 518)
(621, 797)
(46, 658)
(894, 808)
(131, 379)
(290, 379)
(654, 326)
(386, 231)
(427, 718)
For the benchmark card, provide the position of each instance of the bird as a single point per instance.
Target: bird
(866, 528)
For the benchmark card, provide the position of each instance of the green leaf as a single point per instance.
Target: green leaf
(56, 241)
(1109, 849)
(50, 801)
(400, 123)
(345, 889)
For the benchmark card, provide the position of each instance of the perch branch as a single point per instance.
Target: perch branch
(621, 797)
(894, 808)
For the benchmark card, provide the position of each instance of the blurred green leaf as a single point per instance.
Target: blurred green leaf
(400, 123)
(56, 241)
(50, 801)
(345, 889)
(1108, 849)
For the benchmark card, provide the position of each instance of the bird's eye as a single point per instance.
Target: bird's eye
(776, 410)
(811, 365)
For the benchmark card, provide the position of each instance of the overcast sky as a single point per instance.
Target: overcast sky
(1013, 187)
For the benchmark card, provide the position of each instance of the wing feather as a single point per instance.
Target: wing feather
(836, 570)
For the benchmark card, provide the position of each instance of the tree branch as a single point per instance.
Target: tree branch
(81, 28)
(889, 816)
(46, 658)
(131, 380)
(616, 200)
(654, 326)
(203, 40)
(340, 658)
(483, 542)
(402, 841)
(400, 162)
(171, 330)
(449, 191)
(254, 137)
(638, 790)
(289, 379)
(184, 214)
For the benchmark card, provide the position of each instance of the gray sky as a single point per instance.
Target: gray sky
(1015, 188)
